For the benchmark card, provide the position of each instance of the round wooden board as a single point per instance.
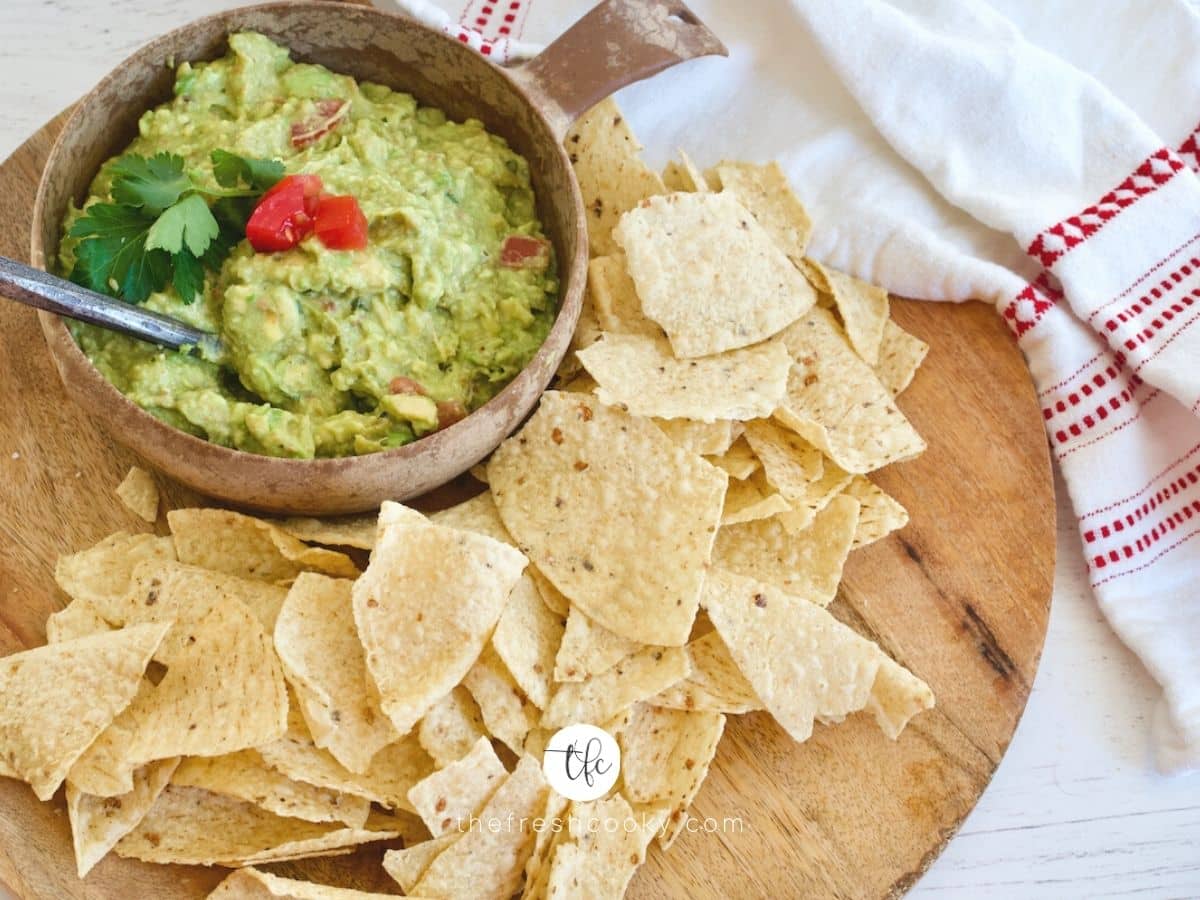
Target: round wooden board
(960, 596)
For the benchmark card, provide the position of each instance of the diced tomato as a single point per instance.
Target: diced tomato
(449, 412)
(341, 224)
(326, 118)
(522, 252)
(284, 216)
(402, 385)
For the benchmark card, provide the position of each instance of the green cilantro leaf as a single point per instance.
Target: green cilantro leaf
(161, 230)
(188, 275)
(188, 223)
(153, 183)
(232, 170)
(141, 272)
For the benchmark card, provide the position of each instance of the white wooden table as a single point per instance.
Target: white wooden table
(1075, 809)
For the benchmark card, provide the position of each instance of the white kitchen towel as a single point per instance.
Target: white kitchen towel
(1037, 154)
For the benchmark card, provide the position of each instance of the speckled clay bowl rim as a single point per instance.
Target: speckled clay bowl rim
(318, 486)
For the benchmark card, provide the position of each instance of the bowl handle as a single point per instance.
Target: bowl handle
(617, 43)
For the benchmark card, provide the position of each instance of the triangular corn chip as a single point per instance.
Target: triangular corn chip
(97, 823)
(317, 642)
(226, 541)
(447, 799)
(222, 689)
(423, 624)
(487, 862)
(195, 827)
(245, 776)
(642, 376)
(767, 193)
(55, 700)
(139, 493)
(612, 177)
(599, 698)
(836, 403)
(574, 487)
(451, 727)
(100, 575)
(808, 565)
(709, 274)
(589, 648)
(803, 663)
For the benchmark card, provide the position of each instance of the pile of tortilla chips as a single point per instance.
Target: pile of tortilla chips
(654, 553)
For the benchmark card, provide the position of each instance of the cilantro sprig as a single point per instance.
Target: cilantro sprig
(166, 227)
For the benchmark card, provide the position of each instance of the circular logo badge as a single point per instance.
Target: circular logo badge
(582, 762)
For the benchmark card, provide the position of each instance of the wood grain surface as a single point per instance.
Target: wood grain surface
(961, 596)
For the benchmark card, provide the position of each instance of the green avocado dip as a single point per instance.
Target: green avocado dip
(338, 352)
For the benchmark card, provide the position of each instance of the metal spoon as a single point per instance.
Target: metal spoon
(38, 289)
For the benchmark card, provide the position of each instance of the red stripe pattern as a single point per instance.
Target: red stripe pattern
(1033, 302)
(1056, 241)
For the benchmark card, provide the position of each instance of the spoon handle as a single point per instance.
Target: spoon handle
(38, 289)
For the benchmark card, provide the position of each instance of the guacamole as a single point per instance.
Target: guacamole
(339, 352)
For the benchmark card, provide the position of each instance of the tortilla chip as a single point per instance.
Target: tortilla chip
(391, 513)
(451, 727)
(665, 756)
(836, 403)
(537, 868)
(574, 486)
(507, 712)
(599, 698)
(896, 696)
(808, 565)
(425, 608)
(97, 823)
(803, 663)
(554, 599)
(191, 826)
(447, 799)
(747, 502)
(251, 884)
(55, 700)
(602, 859)
(406, 866)
(139, 493)
(225, 541)
(809, 499)
(246, 776)
(615, 299)
(527, 638)
(261, 598)
(900, 355)
(408, 824)
(684, 175)
(612, 177)
(791, 463)
(880, 515)
(738, 462)
(101, 574)
(487, 863)
(318, 646)
(347, 531)
(78, 619)
(709, 274)
(643, 377)
(394, 769)
(588, 648)
(864, 308)
(715, 685)
(767, 193)
(705, 438)
(479, 514)
(222, 690)
(587, 332)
